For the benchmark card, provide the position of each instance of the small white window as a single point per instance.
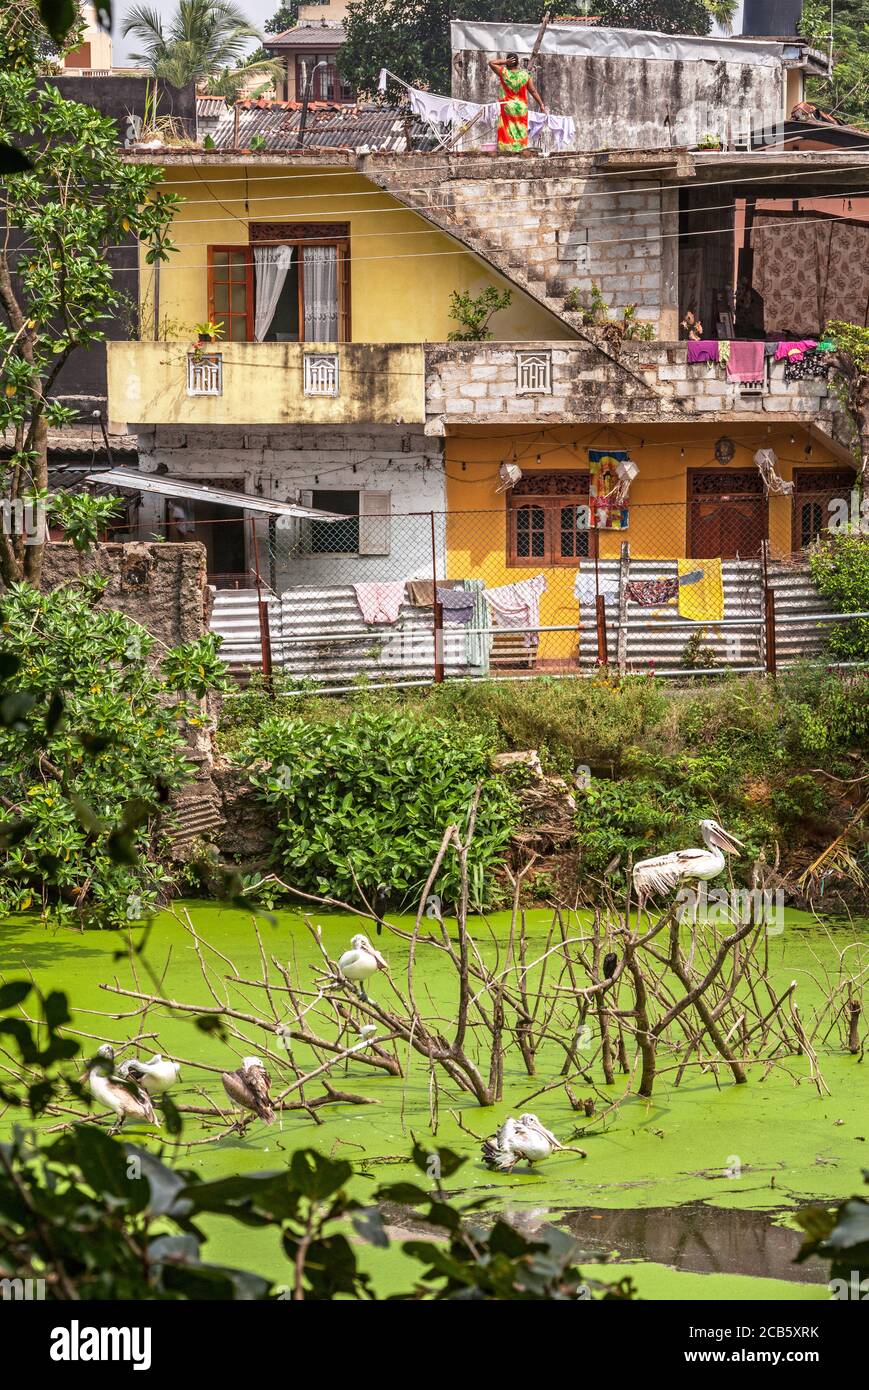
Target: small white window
(321, 374)
(204, 374)
(534, 373)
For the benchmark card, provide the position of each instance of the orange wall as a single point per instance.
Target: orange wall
(477, 523)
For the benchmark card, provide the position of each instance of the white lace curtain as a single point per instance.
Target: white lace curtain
(272, 265)
(320, 266)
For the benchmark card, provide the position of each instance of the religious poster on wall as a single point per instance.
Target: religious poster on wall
(610, 474)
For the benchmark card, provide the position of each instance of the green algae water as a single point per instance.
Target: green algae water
(691, 1192)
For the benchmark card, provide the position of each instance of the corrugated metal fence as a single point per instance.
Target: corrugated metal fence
(318, 635)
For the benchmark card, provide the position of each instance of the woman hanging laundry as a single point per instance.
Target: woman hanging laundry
(516, 87)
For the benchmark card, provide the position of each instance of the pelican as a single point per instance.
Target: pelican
(665, 871)
(361, 962)
(523, 1138)
(126, 1099)
(248, 1087)
(155, 1076)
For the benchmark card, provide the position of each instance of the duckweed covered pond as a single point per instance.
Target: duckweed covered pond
(691, 1190)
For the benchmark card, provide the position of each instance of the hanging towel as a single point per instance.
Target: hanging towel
(380, 602)
(517, 605)
(457, 606)
(794, 351)
(478, 642)
(702, 602)
(702, 350)
(421, 591)
(651, 593)
(745, 362)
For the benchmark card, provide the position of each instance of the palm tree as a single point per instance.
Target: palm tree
(202, 42)
(723, 12)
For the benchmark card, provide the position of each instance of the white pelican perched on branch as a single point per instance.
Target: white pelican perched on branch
(523, 1138)
(126, 1099)
(361, 962)
(155, 1076)
(248, 1087)
(666, 871)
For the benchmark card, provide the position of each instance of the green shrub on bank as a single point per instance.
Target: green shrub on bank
(840, 568)
(91, 742)
(365, 801)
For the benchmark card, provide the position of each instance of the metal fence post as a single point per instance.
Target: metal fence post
(622, 639)
(437, 610)
(602, 654)
(769, 630)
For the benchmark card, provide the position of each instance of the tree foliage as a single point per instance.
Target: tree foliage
(57, 293)
(91, 742)
(846, 92)
(840, 568)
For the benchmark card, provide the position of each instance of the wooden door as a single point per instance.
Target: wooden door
(728, 515)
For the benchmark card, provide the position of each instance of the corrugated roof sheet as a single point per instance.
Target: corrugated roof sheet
(329, 126)
(314, 36)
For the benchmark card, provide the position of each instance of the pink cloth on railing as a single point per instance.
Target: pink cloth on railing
(380, 602)
(702, 350)
(794, 351)
(745, 362)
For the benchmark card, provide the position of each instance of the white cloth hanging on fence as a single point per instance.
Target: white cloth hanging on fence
(518, 605)
(584, 589)
(321, 294)
(272, 265)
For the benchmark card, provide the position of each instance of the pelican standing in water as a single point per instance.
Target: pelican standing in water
(361, 962)
(666, 871)
(128, 1100)
(523, 1138)
(248, 1088)
(155, 1076)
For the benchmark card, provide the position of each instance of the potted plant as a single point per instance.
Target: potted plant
(207, 332)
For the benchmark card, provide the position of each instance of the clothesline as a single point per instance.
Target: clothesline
(744, 358)
(449, 111)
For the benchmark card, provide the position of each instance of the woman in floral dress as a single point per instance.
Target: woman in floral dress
(516, 86)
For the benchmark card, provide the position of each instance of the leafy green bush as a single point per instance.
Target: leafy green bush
(371, 797)
(840, 568)
(91, 743)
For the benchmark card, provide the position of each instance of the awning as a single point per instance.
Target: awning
(197, 492)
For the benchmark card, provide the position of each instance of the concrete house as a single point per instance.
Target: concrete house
(485, 463)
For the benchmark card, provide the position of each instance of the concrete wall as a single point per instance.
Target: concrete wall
(263, 385)
(291, 464)
(477, 382)
(163, 587)
(622, 102)
(559, 226)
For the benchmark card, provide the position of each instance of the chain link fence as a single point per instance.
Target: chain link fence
(533, 587)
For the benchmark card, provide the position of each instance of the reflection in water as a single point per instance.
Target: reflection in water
(697, 1238)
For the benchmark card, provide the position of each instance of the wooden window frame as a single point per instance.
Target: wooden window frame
(802, 493)
(300, 235)
(248, 281)
(551, 503)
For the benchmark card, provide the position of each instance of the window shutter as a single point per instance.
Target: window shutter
(374, 522)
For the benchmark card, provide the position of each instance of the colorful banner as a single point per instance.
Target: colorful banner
(606, 489)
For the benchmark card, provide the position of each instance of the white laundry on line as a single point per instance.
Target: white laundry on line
(441, 110)
(584, 588)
